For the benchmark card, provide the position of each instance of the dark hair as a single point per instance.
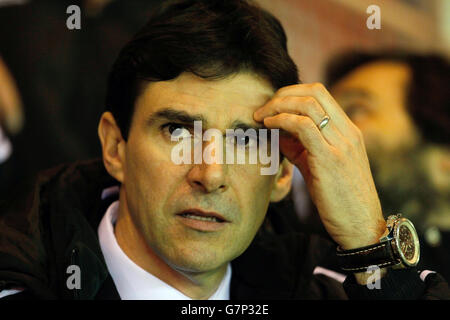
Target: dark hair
(428, 92)
(209, 38)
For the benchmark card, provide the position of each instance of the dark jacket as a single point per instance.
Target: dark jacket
(57, 227)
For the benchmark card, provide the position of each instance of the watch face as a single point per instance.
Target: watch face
(407, 242)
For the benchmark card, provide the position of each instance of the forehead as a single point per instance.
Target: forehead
(219, 101)
(376, 77)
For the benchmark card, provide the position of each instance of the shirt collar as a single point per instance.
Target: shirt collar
(133, 282)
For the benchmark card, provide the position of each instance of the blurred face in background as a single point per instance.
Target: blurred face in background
(374, 96)
(411, 175)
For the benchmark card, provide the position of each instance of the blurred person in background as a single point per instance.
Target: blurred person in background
(401, 103)
(59, 77)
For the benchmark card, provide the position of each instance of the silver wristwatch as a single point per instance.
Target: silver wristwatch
(404, 241)
(398, 248)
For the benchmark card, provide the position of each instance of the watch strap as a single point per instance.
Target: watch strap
(359, 259)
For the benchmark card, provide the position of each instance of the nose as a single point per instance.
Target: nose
(208, 178)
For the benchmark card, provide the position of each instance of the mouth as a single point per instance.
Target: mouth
(202, 220)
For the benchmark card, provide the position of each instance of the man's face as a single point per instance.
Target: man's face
(374, 97)
(158, 191)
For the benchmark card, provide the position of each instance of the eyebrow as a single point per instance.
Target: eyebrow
(170, 114)
(237, 124)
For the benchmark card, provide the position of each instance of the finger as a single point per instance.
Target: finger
(302, 128)
(331, 134)
(306, 106)
(327, 102)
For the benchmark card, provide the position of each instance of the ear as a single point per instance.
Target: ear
(283, 181)
(113, 146)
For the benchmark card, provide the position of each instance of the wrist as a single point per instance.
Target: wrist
(371, 236)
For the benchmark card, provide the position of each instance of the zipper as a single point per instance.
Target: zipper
(73, 260)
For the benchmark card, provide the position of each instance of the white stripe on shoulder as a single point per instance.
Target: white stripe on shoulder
(9, 292)
(339, 277)
(425, 273)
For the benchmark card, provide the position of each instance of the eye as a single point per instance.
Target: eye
(245, 140)
(356, 111)
(176, 131)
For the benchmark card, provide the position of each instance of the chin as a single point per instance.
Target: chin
(198, 259)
